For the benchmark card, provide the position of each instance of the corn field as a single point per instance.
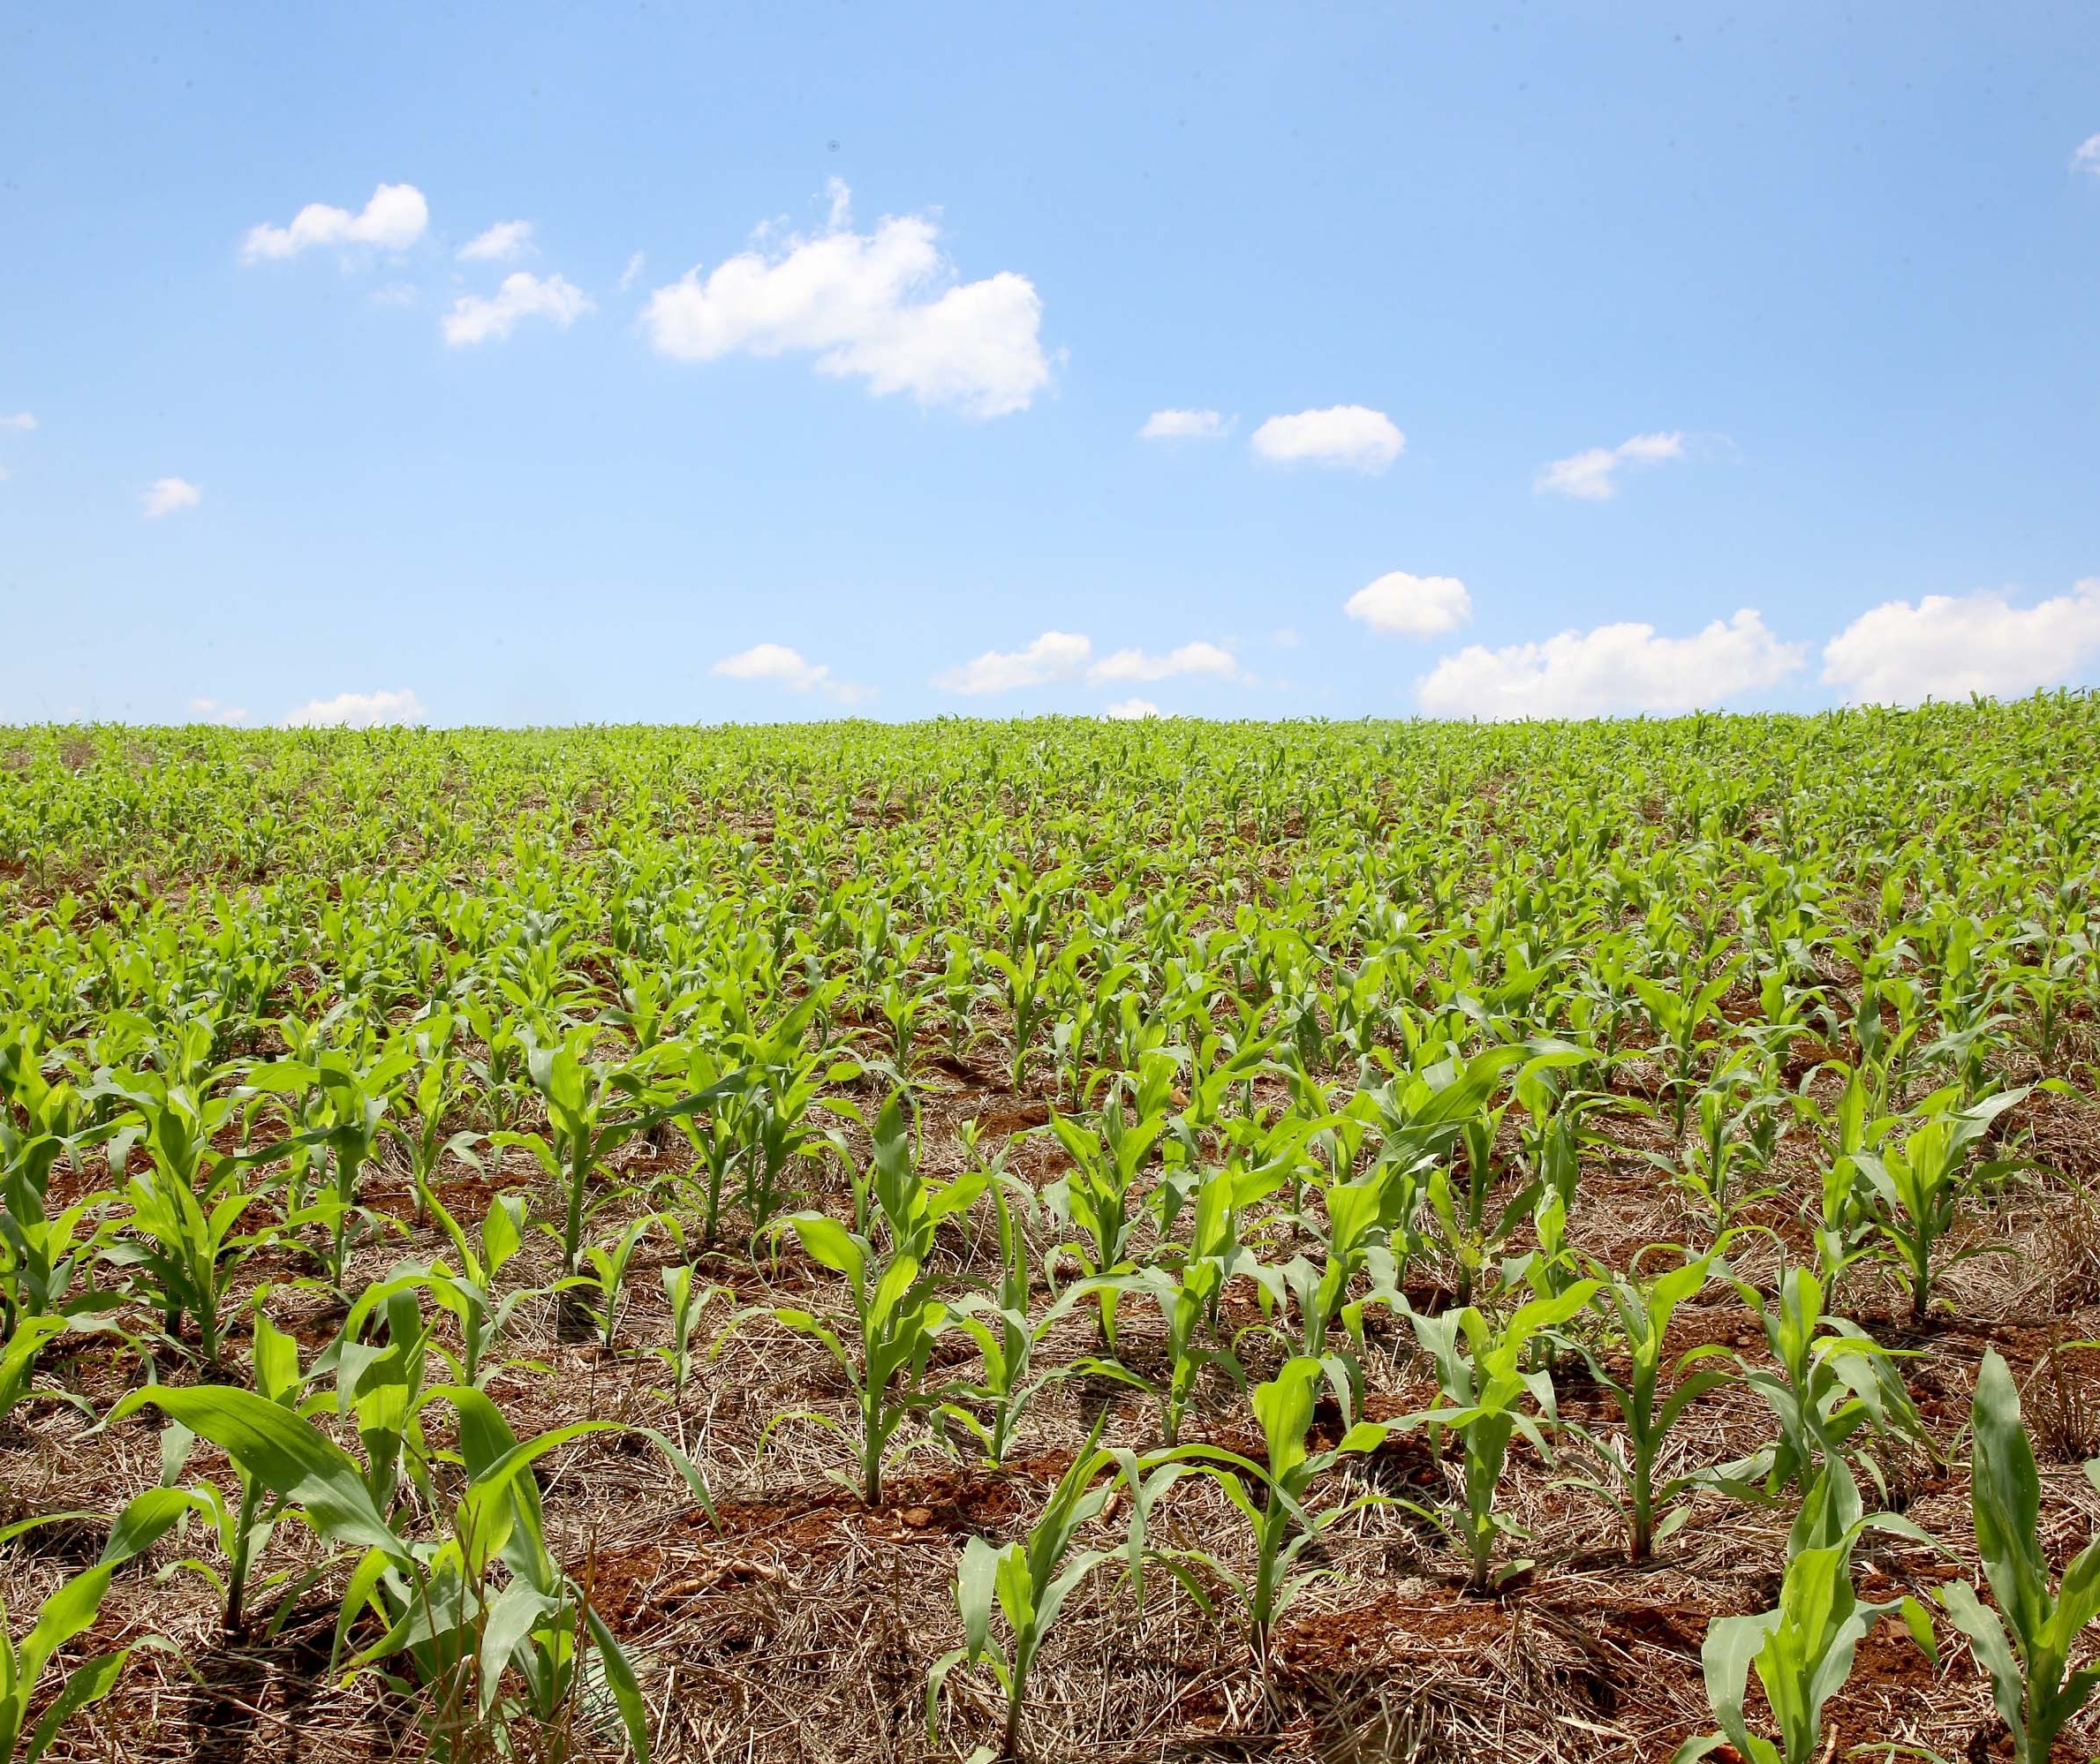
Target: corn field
(1051, 1240)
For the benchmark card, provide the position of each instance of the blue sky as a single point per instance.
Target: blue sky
(1627, 357)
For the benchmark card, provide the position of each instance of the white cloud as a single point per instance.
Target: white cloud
(393, 220)
(1347, 435)
(165, 496)
(1131, 666)
(1056, 655)
(632, 273)
(1591, 476)
(1614, 669)
(476, 318)
(2087, 156)
(397, 294)
(210, 711)
(1131, 711)
(777, 663)
(499, 244)
(884, 306)
(21, 419)
(1947, 647)
(1183, 425)
(1400, 605)
(358, 711)
(1284, 636)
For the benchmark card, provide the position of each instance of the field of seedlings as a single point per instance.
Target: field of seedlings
(1052, 1241)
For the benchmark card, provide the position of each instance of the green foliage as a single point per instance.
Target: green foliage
(68, 1613)
(2025, 1645)
(1802, 1649)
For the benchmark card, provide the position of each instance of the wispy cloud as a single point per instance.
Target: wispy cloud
(781, 665)
(499, 244)
(165, 496)
(358, 711)
(478, 319)
(1134, 667)
(1591, 476)
(1056, 655)
(884, 307)
(1352, 437)
(1185, 425)
(393, 220)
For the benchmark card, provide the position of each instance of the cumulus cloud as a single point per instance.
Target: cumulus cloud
(358, 711)
(22, 420)
(1591, 476)
(1345, 435)
(1400, 605)
(165, 496)
(1133, 666)
(393, 220)
(211, 711)
(1131, 711)
(476, 319)
(1614, 669)
(1056, 655)
(499, 243)
(781, 665)
(885, 307)
(1948, 646)
(2087, 156)
(1183, 425)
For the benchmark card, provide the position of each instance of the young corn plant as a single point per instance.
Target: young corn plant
(1008, 1334)
(1651, 1396)
(1188, 1281)
(716, 1136)
(243, 1528)
(1027, 1583)
(484, 1619)
(351, 1100)
(776, 1092)
(607, 1277)
(40, 1255)
(184, 1247)
(1284, 1524)
(1020, 988)
(593, 1107)
(896, 1315)
(1486, 1396)
(472, 1294)
(438, 1088)
(66, 1614)
(1676, 1019)
(1098, 1196)
(688, 1300)
(1802, 1650)
(2026, 1646)
(1832, 1387)
(1920, 1186)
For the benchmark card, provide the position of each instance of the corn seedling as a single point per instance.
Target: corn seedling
(2026, 1645)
